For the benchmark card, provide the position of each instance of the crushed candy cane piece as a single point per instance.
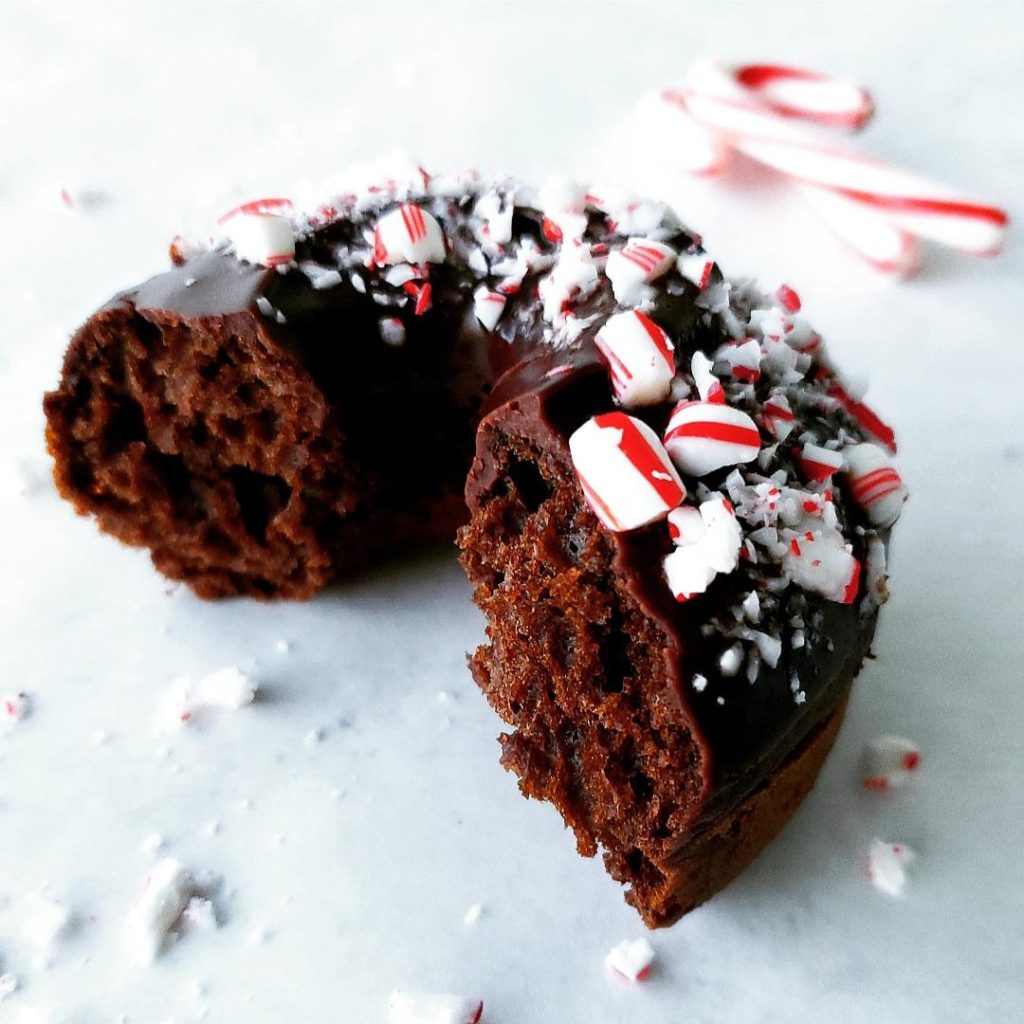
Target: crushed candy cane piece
(709, 387)
(817, 463)
(199, 915)
(788, 299)
(632, 960)
(574, 276)
(704, 436)
(638, 262)
(702, 550)
(887, 866)
(488, 306)
(640, 358)
(497, 216)
(14, 707)
(392, 331)
(743, 359)
(408, 234)
(433, 1008)
(875, 484)
(730, 660)
(695, 267)
(820, 560)
(228, 688)
(777, 416)
(259, 236)
(47, 921)
(874, 566)
(165, 894)
(888, 762)
(625, 473)
(8, 985)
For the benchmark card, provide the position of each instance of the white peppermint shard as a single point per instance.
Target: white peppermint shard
(165, 894)
(887, 867)
(631, 959)
(433, 1008)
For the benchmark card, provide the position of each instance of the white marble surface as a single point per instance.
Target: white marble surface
(358, 855)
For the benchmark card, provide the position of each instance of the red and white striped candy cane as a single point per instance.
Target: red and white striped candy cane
(775, 115)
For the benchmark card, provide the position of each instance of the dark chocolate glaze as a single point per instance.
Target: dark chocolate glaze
(516, 379)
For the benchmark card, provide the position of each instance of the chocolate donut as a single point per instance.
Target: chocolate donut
(675, 521)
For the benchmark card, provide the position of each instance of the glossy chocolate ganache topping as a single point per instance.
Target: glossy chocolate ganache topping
(747, 490)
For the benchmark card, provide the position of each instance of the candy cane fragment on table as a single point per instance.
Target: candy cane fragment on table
(433, 1008)
(640, 358)
(261, 231)
(888, 762)
(624, 471)
(14, 707)
(887, 866)
(632, 960)
(704, 436)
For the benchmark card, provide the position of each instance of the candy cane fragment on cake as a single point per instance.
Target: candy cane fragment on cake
(704, 436)
(709, 387)
(638, 262)
(640, 358)
(788, 299)
(695, 267)
(624, 471)
(887, 866)
(392, 331)
(488, 306)
(818, 464)
(708, 540)
(864, 416)
(433, 1008)
(632, 960)
(888, 762)
(820, 560)
(743, 359)
(778, 416)
(261, 231)
(408, 234)
(874, 483)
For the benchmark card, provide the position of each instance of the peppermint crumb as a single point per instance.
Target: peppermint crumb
(699, 682)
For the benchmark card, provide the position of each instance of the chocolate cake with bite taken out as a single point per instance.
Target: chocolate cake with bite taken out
(675, 521)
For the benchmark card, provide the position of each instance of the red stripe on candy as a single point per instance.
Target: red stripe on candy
(711, 431)
(643, 457)
(660, 339)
